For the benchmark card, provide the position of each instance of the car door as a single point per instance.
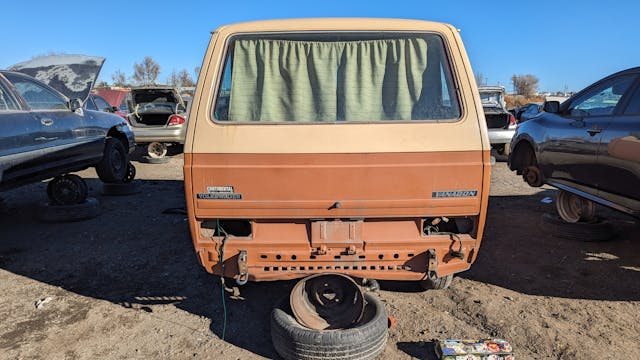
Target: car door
(570, 150)
(19, 128)
(62, 128)
(619, 155)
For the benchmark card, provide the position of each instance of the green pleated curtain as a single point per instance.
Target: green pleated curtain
(284, 80)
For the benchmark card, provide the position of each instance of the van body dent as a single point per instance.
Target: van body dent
(354, 146)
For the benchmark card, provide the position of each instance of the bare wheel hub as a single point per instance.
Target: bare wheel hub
(327, 301)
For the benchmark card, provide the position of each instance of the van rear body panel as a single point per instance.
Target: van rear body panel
(365, 185)
(382, 199)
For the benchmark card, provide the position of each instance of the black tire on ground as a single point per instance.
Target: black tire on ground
(131, 173)
(67, 189)
(114, 164)
(127, 188)
(366, 340)
(48, 212)
(440, 283)
(150, 160)
(596, 230)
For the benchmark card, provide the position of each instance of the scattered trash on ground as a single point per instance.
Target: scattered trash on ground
(486, 349)
(40, 303)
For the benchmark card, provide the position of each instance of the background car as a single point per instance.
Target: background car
(528, 111)
(500, 122)
(157, 115)
(46, 134)
(588, 147)
(98, 103)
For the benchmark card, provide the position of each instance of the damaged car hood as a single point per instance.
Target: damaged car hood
(72, 75)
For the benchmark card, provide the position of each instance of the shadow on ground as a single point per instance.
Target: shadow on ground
(135, 256)
(519, 253)
(138, 257)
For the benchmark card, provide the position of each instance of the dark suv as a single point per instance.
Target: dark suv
(588, 147)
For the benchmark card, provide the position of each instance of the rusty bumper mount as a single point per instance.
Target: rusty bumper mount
(243, 268)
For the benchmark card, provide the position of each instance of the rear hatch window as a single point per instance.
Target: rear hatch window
(336, 77)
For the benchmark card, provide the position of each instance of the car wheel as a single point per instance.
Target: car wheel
(131, 173)
(532, 176)
(440, 283)
(595, 230)
(365, 340)
(152, 160)
(67, 189)
(573, 208)
(114, 164)
(49, 212)
(156, 150)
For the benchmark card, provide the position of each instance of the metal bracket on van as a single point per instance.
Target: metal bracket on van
(243, 268)
(432, 266)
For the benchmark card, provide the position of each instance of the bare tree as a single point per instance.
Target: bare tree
(196, 72)
(185, 78)
(173, 78)
(119, 78)
(525, 85)
(147, 72)
(181, 78)
(480, 79)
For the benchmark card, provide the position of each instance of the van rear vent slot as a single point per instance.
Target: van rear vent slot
(229, 227)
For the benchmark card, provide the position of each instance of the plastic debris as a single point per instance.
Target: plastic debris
(40, 303)
(487, 349)
(547, 200)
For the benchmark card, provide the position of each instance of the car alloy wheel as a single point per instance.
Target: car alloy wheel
(156, 150)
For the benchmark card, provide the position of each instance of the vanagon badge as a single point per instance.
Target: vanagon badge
(457, 193)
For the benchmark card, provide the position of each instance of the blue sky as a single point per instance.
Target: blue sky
(570, 43)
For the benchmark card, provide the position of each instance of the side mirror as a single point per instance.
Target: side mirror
(552, 106)
(75, 104)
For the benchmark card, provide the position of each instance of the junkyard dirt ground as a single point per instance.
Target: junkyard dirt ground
(126, 285)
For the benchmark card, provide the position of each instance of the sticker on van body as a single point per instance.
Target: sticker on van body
(219, 193)
(457, 193)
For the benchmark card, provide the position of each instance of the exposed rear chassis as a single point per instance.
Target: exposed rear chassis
(390, 250)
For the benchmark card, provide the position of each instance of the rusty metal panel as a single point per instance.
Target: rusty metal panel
(336, 233)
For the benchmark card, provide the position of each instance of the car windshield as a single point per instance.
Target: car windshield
(336, 76)
(491, 99)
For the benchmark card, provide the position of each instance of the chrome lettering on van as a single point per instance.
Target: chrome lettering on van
(219, 193)
(219, 189)
(458, 193)
(219, 196)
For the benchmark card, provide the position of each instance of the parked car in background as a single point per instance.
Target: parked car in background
(500, 122)
(46, 133)
(157, 115)
(588, 147)
(527, 111)
(115, 98)
(98, 103)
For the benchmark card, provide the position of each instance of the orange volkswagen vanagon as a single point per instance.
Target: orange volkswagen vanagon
(345, 146)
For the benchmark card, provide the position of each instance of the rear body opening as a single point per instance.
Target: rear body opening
(322, 146)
